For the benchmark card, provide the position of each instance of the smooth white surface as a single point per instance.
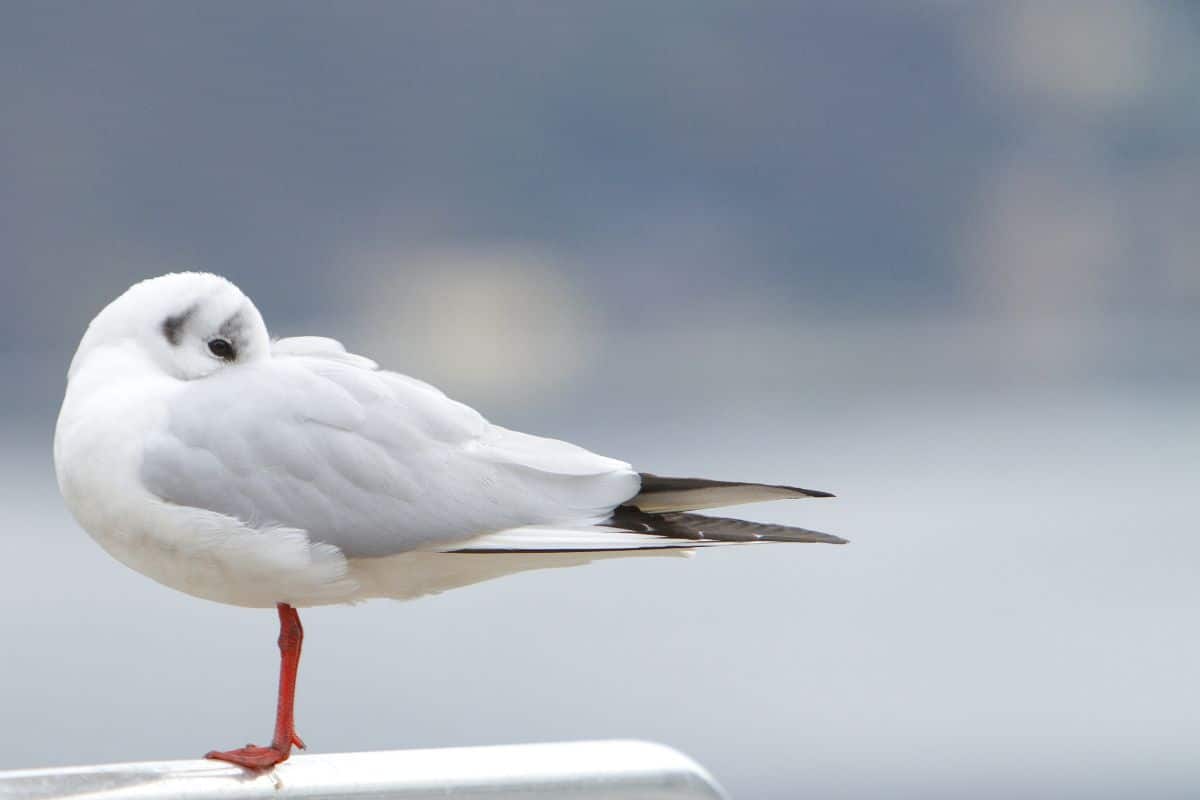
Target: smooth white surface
(609, 770)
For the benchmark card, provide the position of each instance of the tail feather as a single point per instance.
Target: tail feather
(660, 494)
(657, 519)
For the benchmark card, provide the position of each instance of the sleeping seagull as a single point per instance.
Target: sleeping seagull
(291, 473)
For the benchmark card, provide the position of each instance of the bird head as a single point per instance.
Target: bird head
(188, 325)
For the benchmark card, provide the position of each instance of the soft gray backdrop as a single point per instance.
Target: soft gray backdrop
(939, 258)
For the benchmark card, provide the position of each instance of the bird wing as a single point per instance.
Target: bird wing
(372, 462)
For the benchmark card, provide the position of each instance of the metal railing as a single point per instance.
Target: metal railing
(612, 770)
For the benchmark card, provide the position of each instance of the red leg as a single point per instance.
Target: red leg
(291, 636)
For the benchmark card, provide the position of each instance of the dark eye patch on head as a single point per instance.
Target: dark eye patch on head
(225, 345)
(172, 326)
(232, 328)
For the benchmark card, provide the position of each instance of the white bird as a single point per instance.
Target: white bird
(291, 473)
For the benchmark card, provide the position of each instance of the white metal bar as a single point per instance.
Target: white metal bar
(612, 770)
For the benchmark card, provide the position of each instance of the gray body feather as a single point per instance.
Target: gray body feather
(376, 464)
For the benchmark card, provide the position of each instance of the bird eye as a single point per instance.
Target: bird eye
(222, 349)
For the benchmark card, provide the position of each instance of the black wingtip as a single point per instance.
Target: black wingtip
(805, 535)
(658, 484)
(701, 528)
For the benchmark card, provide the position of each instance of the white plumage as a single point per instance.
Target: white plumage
(295, 472)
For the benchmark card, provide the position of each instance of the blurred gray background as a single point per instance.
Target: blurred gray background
(937, 257)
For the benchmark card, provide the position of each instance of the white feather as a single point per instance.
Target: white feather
(364, 460)
(564, 538)
(297, 472)
(319, 347)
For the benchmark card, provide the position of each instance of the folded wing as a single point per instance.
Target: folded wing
(372, 462)
(377, 464)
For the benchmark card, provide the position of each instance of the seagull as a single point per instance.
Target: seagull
(290, 473)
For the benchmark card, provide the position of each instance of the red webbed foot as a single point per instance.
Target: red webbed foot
(251, 756)
(291, 634)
